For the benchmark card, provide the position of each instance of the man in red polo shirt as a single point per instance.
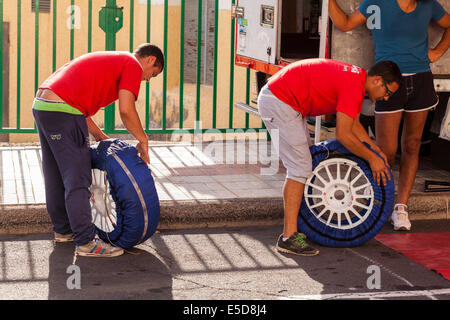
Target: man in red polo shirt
(315, 87)
(63, 108)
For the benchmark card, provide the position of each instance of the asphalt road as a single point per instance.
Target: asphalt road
(216, 264)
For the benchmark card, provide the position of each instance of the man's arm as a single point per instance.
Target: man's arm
(341, 20)
(130, 119)
(94, 129)
(345, 135)
(444, 44)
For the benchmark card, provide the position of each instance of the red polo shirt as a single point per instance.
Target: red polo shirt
(93, 81)
(317, 87)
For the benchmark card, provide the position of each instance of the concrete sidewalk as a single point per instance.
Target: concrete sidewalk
(199, 185)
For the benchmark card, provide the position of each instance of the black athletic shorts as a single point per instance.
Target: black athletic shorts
(416, 93)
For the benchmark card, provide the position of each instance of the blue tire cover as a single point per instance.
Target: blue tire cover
(132, 188)
(381, 210)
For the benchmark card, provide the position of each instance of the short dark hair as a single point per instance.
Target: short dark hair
(388, 70)
(147, 50)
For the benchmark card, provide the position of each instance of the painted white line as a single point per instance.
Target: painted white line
(371, 295)
(392, 273)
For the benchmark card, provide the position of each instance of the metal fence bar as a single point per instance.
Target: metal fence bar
(14, 130)
(19, 59)
(110, 45)
(189, 130)
(131, 25)
(1, 64)
(55, 19)
(90, 26)
(181, 105)
(147, 85)
(166, 22)
(36, 52)
(247, 98)
(216, 37)
(199, 61)
(72, 29)
(233, 26)
(36, 47)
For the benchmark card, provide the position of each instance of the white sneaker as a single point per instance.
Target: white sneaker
(400, 218)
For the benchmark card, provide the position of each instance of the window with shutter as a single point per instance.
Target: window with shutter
(44, 5)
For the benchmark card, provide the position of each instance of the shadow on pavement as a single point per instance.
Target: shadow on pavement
(135, 275)
(243, 263)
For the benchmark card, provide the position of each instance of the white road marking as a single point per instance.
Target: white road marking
(392, 273)
(371, 295)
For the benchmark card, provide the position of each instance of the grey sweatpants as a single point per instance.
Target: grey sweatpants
(294, 140)
(66, 164)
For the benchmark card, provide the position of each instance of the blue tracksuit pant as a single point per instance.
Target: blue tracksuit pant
(66, 164)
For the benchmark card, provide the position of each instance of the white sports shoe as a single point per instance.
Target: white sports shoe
(400, 218)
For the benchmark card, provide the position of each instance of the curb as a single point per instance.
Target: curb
(187, 214)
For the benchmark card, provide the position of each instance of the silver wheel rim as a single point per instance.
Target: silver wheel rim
(103, 206)
(339, 194)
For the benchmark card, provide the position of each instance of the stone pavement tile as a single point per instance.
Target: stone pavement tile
(235, 178)
(24, 191)
(186, 171)
(181, 172)
(170, 191)
(247, 185)
(157, 174)
(281, 176)
(258, 193)
(190, 179)
(211, 195)
(186, 156)
(208, 190)
(202, 157)
(162, 194)
(8, 191)
(276, 184)
(159, 169)
(230, 171)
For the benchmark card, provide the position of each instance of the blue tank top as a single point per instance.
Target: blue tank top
(399, 36)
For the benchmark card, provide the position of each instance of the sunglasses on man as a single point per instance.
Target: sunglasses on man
(389, 93)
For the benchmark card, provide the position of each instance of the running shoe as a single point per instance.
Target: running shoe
(400, 218)
(296, 244)
(98, 248)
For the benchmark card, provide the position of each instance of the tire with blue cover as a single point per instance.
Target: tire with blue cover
(324, 232)
(132, 188)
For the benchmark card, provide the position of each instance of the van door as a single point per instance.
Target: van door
(258, 29)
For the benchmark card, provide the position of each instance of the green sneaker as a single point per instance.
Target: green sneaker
(296, 244)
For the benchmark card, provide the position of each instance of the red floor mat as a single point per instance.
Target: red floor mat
(431, 250)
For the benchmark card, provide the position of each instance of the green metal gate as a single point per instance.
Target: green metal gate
(111, 18)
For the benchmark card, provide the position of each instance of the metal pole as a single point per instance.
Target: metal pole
(322, 54)
(110, 21)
